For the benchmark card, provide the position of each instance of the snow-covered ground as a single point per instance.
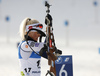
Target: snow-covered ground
(86, 58)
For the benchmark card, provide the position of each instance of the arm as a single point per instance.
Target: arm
(43, 52)
(38, 48)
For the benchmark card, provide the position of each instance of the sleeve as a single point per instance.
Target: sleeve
(37, 47)
(43, 53)
(25, 50)
(25, 47)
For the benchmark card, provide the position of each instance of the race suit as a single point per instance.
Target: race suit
(29, 61)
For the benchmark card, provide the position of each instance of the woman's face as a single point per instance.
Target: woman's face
(34, 35)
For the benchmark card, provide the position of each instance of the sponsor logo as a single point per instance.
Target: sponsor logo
(36, 44)
(67, 59)
(26, 46)
(59, 60)
(32, 44)
(22, 74)
(36, 71)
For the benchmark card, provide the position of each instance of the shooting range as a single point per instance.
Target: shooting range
(76, 28)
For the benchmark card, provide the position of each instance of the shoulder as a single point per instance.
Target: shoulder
(34, 45)
(24, 46)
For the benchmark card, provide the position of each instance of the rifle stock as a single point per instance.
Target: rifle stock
(51, 49)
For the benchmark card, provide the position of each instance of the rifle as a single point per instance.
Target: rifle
(50, 42)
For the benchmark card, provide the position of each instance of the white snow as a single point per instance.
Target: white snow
(85, 59)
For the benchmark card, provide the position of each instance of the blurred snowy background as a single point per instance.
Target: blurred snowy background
(79, 38)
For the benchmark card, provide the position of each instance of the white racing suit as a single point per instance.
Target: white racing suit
(29, 61)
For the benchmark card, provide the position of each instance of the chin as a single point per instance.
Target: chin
(36, 39)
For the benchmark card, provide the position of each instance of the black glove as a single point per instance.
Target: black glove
(58, 51)
(50, 19)
(43, 51)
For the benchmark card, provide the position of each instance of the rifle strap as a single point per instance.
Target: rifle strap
(48, 72)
